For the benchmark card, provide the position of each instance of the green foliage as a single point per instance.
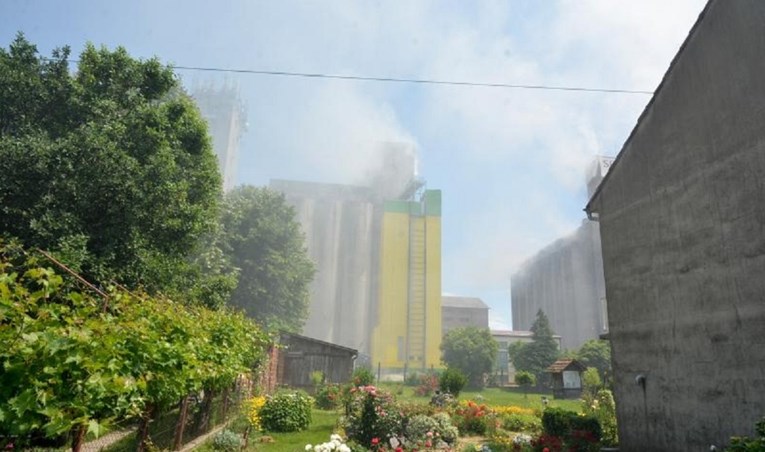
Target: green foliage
(227, 441)
(110, 169)
(328, 396)
(417, 427)
(471, 350)
(472, 418)
(601, 405)
(516, 422)
(362, 377)
(371, 413)
(286, 412)
(746, 444)
(596, 353)
(573, 428)
(591, 384)
(264, 240)
(452, 381)
(525, 379)
(536, 356)
(71, 360)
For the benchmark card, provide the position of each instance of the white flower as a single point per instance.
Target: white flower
(308, 447)
(335, 437)
(344, 448)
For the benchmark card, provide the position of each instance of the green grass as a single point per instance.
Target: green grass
(489, 396)
(322, 425)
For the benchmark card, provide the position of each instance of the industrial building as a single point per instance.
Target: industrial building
(565, 280)
(459, 312)
(378, 257)
(407, 334)
(681, 217)
(226, 116)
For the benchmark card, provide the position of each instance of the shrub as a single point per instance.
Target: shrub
(362, 377)
(445, 429)
(286, 412)
(582, 432)
(602, 406)
(328, 396)
(371, 413)
(227, 441)
(521, 423)
(443, 400)
(452, 381)
(429, 383)
(419, 426)
(472, 418)
(412, 379)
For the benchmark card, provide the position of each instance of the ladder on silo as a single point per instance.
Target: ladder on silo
(416, 306)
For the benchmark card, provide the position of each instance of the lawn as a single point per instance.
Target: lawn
(489, 396)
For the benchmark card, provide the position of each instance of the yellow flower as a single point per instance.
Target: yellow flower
(253, 407)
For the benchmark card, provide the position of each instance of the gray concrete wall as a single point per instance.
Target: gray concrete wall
(342, 230)
(452, 317)
(682, 216)
(565, 280)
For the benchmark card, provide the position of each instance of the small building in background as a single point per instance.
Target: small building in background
(566, 378)
(459, 312)
(297, 357)
(504, 371)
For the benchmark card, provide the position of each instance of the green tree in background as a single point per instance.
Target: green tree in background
(596, 353)
(264, 240)
(525, 380)
(471, 350)
(110, 168)
(537, 355)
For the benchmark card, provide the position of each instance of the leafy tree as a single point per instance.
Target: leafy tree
(264, 240)
(471, 350)
(537, 355)
(525, 380)
(110, 168)
(596, 353)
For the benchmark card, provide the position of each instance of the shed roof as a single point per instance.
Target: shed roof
(565, 364)
(285, 336)
(448, 301)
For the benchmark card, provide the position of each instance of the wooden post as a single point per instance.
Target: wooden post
(180, 425)
(378, 372)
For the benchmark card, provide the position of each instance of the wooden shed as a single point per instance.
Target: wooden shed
(299, 356)
(566, 378)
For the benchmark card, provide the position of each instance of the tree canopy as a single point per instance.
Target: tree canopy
(537, 355)
(596, 353)
(471, 350)
(265, 242)
(109, 167)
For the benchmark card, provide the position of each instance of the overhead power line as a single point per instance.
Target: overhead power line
(411, 80)
(421, 81)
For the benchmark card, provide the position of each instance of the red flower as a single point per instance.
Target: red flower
(546, 449)
(399, 449)
(377, 440)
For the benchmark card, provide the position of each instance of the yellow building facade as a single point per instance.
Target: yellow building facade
(408, 330)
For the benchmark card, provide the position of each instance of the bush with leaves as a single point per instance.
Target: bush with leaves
(362, 377)
(452, 380)
(75, 362)
(429, 383)
(746, 444)
(580, 431)
(328, 396)
(472, 418)
(371, 413)
(227, 441)
(286, 412)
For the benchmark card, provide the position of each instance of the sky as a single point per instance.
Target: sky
(510, 162)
